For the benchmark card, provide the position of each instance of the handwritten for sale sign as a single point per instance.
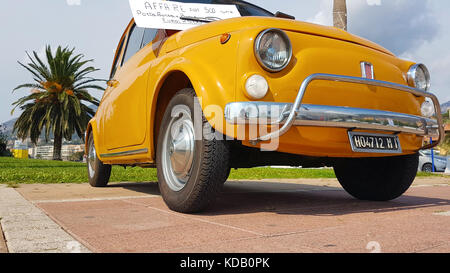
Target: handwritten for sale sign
(177, 15)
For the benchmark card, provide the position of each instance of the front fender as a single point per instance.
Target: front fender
(211, 69)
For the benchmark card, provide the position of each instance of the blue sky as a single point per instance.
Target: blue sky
(413, 29)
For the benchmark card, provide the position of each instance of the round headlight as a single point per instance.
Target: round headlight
(273, 49)
(419, 77)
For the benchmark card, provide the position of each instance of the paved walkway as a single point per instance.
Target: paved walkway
(28, 229)
(266, 216)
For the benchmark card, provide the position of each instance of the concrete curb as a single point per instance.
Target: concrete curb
(27, 229)
(3, 248)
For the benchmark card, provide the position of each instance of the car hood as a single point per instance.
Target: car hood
(206, 31)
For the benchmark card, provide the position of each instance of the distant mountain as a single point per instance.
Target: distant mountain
(445, 107)
(9, 125)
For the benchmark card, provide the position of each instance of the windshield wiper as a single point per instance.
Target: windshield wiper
(280, 14)
(200, 19)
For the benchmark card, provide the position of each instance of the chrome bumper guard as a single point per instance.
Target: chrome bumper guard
(298, 114)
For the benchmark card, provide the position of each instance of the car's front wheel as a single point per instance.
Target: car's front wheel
(191, 168)
(428, 168)
(98, 172)
(377, 179)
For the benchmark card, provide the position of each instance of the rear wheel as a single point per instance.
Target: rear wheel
(191, 168)
(98, 172)
(377, 179)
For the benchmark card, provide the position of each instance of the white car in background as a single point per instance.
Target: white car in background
(425, 162)
(448, 166)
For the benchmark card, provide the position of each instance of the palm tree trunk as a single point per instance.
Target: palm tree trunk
(57, 145)
(340, 14)
(2, 149)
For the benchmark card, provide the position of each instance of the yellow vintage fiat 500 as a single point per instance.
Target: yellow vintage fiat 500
(261, 90)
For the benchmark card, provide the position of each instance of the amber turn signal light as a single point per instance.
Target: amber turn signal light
(225, 38)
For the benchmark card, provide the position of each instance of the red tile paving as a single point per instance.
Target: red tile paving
(262, 217)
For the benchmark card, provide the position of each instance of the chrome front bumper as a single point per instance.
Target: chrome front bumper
(298, 114)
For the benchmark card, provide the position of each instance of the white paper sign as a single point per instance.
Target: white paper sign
(170, 14)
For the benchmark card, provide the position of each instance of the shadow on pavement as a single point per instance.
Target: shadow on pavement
(294, 199)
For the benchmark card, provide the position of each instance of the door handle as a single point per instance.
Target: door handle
(112, 83)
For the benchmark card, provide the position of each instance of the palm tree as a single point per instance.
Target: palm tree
(55, 103)
(340, 14)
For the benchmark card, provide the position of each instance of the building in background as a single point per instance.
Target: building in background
(20, 149)
(46, 152)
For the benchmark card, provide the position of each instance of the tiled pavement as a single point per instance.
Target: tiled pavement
(266, 216)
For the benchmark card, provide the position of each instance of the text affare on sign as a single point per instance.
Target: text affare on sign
(177, 15)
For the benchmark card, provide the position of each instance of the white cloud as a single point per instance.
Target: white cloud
(74, 2)
(325, 15)
(436, 56)
(398, 25)
(373, 2)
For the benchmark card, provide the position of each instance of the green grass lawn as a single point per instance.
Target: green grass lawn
(16, 171)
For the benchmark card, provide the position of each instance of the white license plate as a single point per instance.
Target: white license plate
(374, 143)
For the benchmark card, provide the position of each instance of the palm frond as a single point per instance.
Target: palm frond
(36, 74)
(30, 85)
(40, 68)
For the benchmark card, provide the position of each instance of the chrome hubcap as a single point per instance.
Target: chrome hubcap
(91, 159)
(178, 148)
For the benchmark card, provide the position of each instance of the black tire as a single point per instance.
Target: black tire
(209, 167)
(98, 172)
(377, 179)
(428, 168)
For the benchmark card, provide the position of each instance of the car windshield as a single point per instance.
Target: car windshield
(245, 9)
(428, 153)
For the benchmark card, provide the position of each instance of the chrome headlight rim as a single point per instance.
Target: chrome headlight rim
(257, 48)
(412, 74)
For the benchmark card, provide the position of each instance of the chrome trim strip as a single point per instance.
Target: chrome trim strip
(126, 153)
(339, 78)
(333, 116)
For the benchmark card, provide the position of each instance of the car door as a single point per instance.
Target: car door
(125, 119)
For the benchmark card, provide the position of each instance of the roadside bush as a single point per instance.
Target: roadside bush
(77, 157)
